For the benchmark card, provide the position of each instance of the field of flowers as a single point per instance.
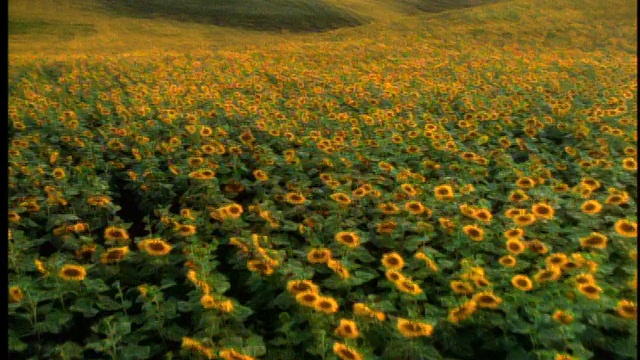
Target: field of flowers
(450, 192)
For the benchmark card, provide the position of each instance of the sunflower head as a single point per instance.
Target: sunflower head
(392, 261)
(72, 272)
(348, 238)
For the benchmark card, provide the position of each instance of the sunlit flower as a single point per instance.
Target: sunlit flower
(113, 233)
(114, 255)
(542, 211)
(443, 192)
(562, 317)
(626, 228)
(345, 353)
(522, 282)
(319, 256)
(295, 198)
(15, 294)
(594, 240)
(326, 305)
(348, 238)
(627, 309)
(591, 291)
(347, 329)
(72, 272)
(591, 207)
(487, 300)
(474, 232)
(411, 329)
(392, 261)
(155, 247)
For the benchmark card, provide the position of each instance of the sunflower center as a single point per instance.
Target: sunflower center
(627, 227)
(72, 272)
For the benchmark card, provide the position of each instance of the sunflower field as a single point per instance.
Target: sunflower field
(456, 191)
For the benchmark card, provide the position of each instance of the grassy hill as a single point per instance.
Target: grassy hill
(111, 26)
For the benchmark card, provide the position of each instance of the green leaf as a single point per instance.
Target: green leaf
(84, 306)
(254, 346)
(15, 345)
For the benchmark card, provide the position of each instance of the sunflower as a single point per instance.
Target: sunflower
(231, 354)
(338, 267)
(483, 215)
(386, 227)
(113, 233)
(202, 174)
(348, 238)
(508, 261)
(551, 274)
(524, 220)
(560, 188)
(591, 207)
(556, 260)
(58, 173)
(513, 212)
(518, 196)
(443, 192)
(394, 275)
(389, 208)
(155, 247)
(347, 329)
(72, 272)
(515, 246)
(307, 298)
(319, 256)
(326, 304)
(14, 217)
(411, 329)
(522, 282)
(562, 317)
(195, 162)
(15, 294)
(542, 211)
(114, 255)
(385, 166)
(629, 164)
(392, 261)
(563, 357)
(591, 291)
(474, 232)
(594, 240)
(409, 189)
(409, 287)
(467, 210)
(185, 230)
(86, 252)
(627, 309)
(341, 198)
(626, 228)
(515, 233)
(525, 183)
(590, 183)
(584, 278)
(414, 207)
(461, 287)
(260, 175)
(259, 266)
(345, 353)
(462, 312)
(232, 211)
(295, 198)
(617, 199)
(537, 247)
(487, 300)
(207, 301)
